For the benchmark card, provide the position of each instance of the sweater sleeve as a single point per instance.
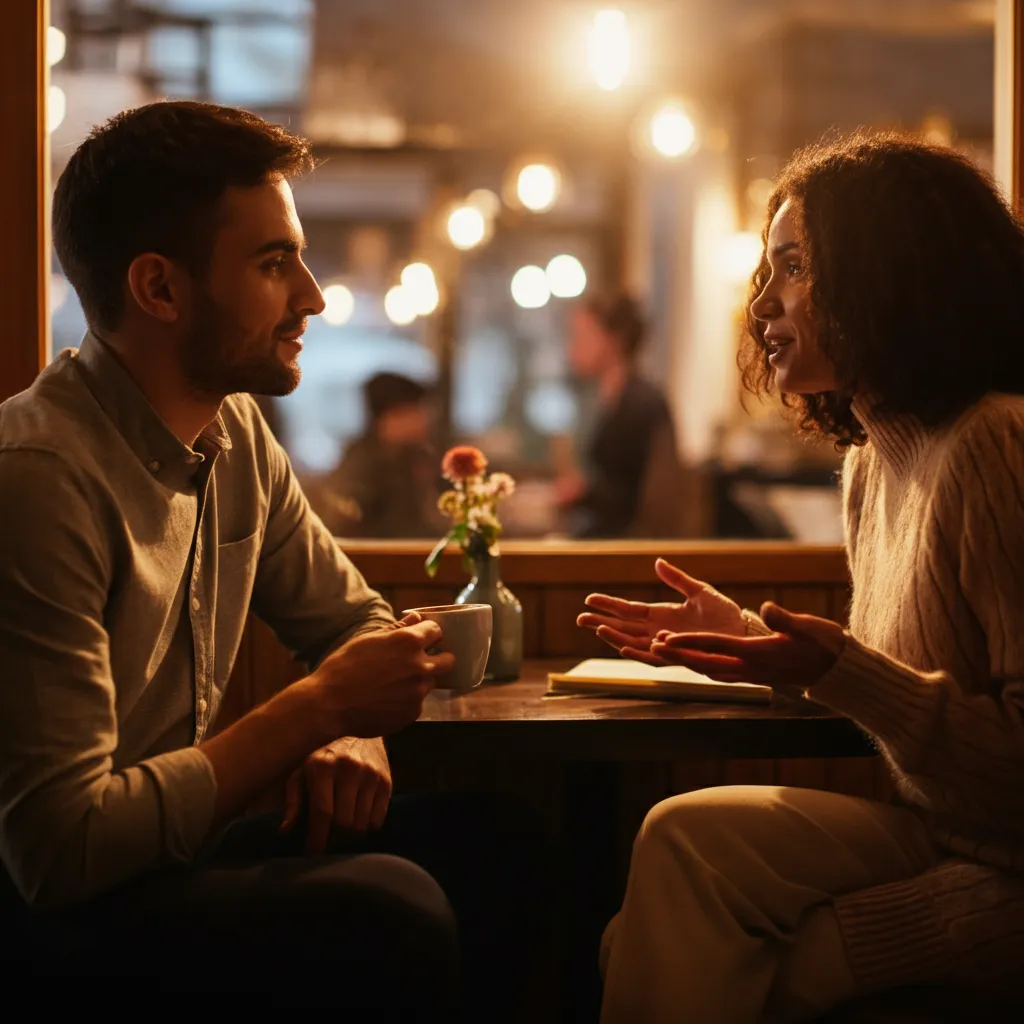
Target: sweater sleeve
(964, 919)
(965, 739)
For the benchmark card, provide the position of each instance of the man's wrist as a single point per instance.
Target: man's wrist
(323, 722)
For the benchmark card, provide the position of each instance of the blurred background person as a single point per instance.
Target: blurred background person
(387, 483)
(629, 483)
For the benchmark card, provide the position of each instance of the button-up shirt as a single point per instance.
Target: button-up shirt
(128, 564)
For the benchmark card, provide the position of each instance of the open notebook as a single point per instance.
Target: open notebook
(619, 677)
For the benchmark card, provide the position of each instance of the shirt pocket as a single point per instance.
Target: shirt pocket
(236, 573)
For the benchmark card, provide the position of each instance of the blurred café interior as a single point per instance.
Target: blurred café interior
(489, 175)
(486, 169)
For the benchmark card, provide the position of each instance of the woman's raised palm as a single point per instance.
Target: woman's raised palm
(631, 626)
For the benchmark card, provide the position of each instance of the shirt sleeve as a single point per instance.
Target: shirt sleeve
(71, 826)
(306, 588)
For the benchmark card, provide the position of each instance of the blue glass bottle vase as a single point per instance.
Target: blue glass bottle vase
(505, 661)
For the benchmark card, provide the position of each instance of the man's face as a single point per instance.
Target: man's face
(246, 319)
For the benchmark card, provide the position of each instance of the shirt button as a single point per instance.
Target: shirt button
(195, 604)
(154, 466)
(202, 705)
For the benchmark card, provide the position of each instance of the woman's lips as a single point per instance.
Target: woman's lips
(776, 347)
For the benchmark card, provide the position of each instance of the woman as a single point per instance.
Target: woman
(632, 455)
(889, 311)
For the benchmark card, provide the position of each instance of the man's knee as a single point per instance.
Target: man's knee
(390, 896)
(371, 930)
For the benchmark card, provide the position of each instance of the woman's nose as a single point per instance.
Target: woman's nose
(765, 306)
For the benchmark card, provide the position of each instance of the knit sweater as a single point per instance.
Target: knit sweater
(933, 669)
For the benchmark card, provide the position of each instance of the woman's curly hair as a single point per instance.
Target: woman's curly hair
(916, 276)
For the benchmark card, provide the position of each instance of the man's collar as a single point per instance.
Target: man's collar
(152, 441)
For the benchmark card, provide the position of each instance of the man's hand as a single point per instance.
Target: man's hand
(375, 684)
(631, 627)
(800, 651)
(348, 786)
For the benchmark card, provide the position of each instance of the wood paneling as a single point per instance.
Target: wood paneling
(597, 564)
(24, 195)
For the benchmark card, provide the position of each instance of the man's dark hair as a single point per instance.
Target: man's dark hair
(619, 314)
(150, 180)
(916, 274)
(386, 391)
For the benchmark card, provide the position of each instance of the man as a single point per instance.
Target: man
(146, 508)
(387, 483)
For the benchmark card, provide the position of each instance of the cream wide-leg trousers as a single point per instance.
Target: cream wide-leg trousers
(728, 916)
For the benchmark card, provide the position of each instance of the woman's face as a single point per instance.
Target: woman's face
(784, 307)
(591, 347)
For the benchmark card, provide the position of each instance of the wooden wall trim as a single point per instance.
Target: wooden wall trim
(1017, 147)
(24, 195)
(398, 563)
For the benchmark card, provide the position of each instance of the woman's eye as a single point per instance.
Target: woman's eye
(793, 268)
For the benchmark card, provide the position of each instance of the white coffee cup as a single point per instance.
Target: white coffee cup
(466, 633)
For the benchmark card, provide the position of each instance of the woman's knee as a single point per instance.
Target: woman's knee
(706, 818)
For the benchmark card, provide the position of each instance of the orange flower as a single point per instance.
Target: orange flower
(462, 462)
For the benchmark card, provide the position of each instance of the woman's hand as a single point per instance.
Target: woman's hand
(799, 652)
(631, 627)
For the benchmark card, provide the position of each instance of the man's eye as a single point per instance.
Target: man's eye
(275, 264)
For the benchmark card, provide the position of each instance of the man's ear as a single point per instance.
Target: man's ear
(158, 287)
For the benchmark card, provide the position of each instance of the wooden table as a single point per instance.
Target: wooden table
(578, 746)
(515, 720)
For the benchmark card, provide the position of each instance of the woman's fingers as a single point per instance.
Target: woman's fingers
(715, 666)
(635, 654)
(674, 577)
(591, 621)
(619, 638)
(720, 643)
(618, 606)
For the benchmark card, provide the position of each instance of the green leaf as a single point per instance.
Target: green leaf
(434, 558)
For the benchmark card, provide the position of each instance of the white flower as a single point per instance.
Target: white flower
(501, 485)
(481, 516)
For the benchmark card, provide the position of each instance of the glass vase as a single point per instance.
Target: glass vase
(505, 661)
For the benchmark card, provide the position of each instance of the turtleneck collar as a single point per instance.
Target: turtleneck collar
(900, 439)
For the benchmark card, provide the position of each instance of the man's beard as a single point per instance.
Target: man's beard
(218, 360)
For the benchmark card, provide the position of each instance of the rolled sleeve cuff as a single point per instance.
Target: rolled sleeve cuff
(188, 791)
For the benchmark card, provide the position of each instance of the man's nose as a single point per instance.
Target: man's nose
(310, 299)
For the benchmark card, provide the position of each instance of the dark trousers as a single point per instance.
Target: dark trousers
(437, 914)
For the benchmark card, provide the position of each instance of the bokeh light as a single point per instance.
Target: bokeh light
(608, 49)
(741, 254)
(419, 282)
(467, 227)
(339, 305)
(56, 108)
(537, 187)
(486, 201)
(565, 277)
(672, 131)
(530, 287)
(56, 45)
(399, 306)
